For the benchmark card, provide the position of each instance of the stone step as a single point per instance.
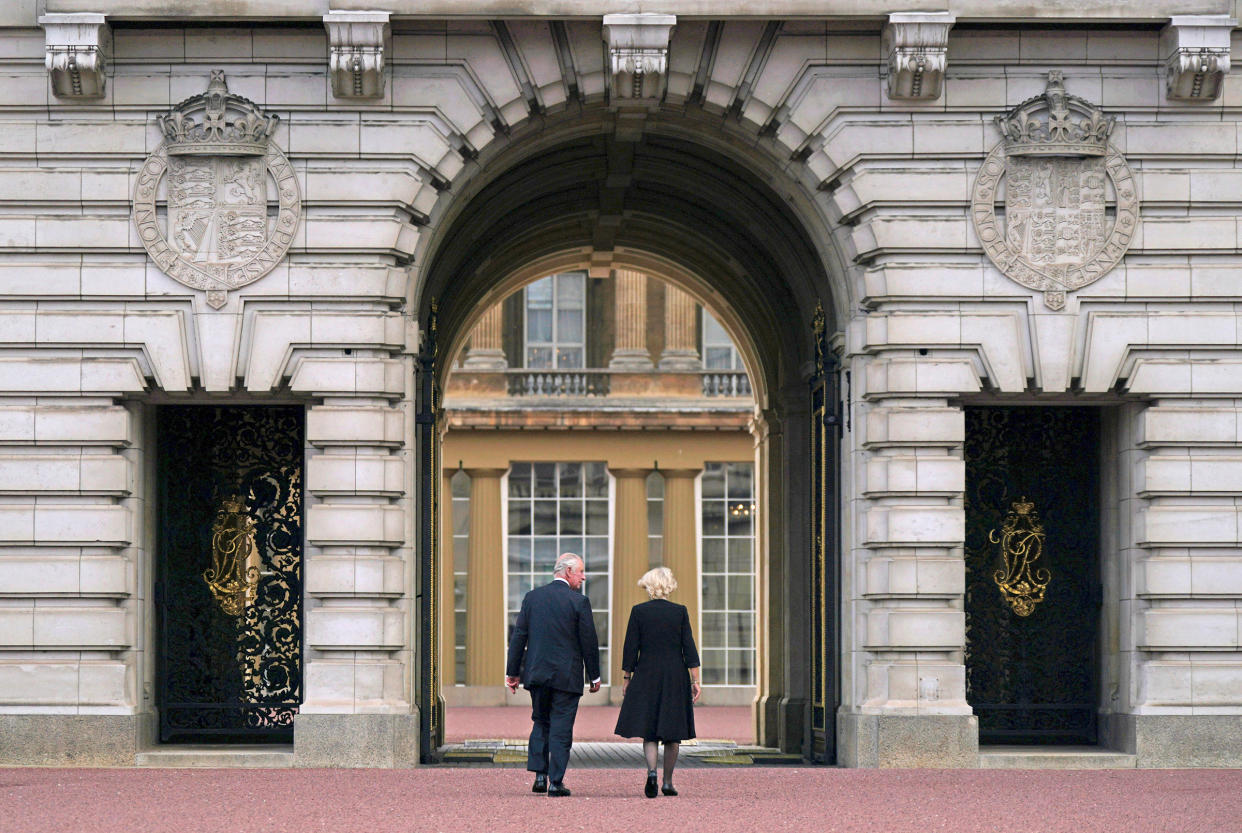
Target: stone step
(1053, 757)
(217, 755)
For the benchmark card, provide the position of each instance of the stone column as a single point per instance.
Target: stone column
(629, 559)
(486, 345)
(485, 590)
(680, 345)
(630, 350)
(681, 539)
(448, 621)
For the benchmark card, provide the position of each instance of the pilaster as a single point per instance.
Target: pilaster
(486, 342)
(485, 591)
(681, 539)
(448, 618)
(629, 558)
(680, 330)
(630, 352)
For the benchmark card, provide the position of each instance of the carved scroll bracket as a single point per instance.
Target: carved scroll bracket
(356, 53)
(78, 48)
(638, 53)
(1195, 49)
(916, 45)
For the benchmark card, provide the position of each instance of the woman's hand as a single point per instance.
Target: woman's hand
(625, 683)
(695, 690)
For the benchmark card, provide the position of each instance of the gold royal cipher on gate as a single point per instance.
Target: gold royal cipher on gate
(1021, 541)
(233, 576)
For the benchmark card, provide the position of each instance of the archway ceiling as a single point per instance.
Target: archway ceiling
(662, 196)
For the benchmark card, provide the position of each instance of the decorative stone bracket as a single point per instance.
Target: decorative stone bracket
(638, 53)
(356, 53)
(915, 45)
(78, 48)
(1195, 49)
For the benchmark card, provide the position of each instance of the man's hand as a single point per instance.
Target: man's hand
(512, 683)
(594, 686)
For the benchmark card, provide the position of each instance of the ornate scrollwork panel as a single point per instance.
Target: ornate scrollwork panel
(230, 571)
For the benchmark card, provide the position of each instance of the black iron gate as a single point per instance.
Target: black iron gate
(825, 429)
(430, 701)
(229, 572)
(1032, 575)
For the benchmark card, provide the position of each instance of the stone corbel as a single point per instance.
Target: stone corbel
(1195, 49)
(78, 48)
(915, 45)
(638, 53)
(356, 53)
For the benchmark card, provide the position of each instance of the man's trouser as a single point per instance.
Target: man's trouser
(552, 716)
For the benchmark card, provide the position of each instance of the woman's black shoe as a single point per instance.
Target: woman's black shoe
(667, 789)
(650, 789)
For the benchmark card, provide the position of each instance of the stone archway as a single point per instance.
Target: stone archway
(694, 208)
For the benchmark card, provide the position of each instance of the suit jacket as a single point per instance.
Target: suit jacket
(555, 631)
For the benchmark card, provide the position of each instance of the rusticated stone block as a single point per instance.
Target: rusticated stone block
(68, 739)
(356, 740)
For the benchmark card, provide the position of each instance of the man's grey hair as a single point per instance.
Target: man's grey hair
(564, 563)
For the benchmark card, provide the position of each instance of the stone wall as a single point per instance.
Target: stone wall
(93, 335)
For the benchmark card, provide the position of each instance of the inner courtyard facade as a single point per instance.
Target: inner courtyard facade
(909, 339)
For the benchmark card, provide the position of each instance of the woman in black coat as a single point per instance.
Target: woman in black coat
(660, 668)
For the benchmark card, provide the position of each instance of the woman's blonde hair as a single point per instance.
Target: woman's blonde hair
(658, 582)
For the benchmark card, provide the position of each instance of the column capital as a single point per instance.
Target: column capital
(680, 473)
(630, 472)
(486, 472)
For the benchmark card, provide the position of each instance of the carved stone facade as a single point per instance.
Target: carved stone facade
(846, 158)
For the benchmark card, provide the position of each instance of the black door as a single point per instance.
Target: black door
(229, 572)
(1032, 575)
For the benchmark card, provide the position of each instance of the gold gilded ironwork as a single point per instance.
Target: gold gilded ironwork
(233, 576)
(1021, 540)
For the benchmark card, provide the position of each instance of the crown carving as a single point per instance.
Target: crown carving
(1023, 506)
(230, 125)
(1056, 124)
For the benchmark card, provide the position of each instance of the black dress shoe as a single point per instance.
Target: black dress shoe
(649, 789)
(541, 783)
(557, 790)
(667, 789)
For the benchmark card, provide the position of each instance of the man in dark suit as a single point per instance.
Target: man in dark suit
(555, 632)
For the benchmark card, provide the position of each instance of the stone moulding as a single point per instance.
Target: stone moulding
(1056, 159)
(356, 53)
(78, 48)
(217, 235)
(638, 53)
(915, 47)
(1195, 50)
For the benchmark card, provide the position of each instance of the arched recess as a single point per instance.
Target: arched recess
(689, 206)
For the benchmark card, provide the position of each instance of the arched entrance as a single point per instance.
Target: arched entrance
(683, 203)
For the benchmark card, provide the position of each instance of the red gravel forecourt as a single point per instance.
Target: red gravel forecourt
(438, 799)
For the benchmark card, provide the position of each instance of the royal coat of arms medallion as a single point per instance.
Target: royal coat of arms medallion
(217, 204)
(1057, 175)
